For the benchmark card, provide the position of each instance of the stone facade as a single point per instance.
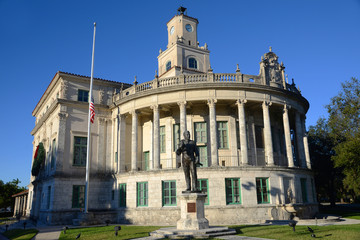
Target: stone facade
(250, 130)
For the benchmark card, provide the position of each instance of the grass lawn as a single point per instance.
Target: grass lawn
(343, 212)
(20, 234)
(3, 220)
(285, 232)
(268, 231)
(107, 232)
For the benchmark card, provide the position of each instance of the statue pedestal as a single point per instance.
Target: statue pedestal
(192, 212)
(192, 223)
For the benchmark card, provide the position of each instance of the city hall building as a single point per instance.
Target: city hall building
(249, 129)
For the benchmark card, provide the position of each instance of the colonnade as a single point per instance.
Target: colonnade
(20, 204)
(300, 135)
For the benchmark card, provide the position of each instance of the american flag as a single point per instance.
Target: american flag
(92, 111)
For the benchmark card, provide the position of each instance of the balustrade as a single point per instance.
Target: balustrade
(192, 79)
(224, 77)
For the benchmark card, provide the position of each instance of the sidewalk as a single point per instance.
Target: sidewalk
(48, 233)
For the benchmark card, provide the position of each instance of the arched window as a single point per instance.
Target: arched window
(192, 63)
(168, 65)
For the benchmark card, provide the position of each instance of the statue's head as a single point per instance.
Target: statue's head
(187, 135)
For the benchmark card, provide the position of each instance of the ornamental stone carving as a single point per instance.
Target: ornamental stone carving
(272, 67)
(102, 96)
(63, 89)
(62, 116)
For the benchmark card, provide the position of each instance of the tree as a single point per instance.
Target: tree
(7, 190)
(344, 125)
(344, 111)
(348, 157)
(327, 178)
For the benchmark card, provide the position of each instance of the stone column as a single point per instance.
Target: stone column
(306, 145)
(62, 116)
(213, 132)
(121, 143)
(300, 140)
(134, 140)
(16, 206)
(183, 128)
(242, 132)
(156, 136)
(267, 134)
(286, 123)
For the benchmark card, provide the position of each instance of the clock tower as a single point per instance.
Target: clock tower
(183, 54)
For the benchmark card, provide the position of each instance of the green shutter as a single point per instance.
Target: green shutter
(83, 95)
(233, 191)
(162, 139)
(80, 148)
(78, 199)
(122, 195)
(222, 135)
(53, 154)
(200, 132)
(169, 193)
(262, 190)
(142, 194)
(48, 197)
(203, 186)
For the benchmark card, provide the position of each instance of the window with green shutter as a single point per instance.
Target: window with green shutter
(203, 186)
(222, 135)
(80, 148)
(78, 197)
(142, 194)
(259, 136)
(200, 132)
(48, 197)
(176, 136)
(169, 193)
(262, 190)
(83, 95)
(313, 190)
(53, 154)
(122, 195)
(233, 193)
(162, 139)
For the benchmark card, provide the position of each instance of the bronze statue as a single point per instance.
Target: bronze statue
(190, 159)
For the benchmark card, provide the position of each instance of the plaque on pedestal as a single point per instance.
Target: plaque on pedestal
(192, 212)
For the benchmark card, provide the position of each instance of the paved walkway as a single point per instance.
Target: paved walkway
(48, 233)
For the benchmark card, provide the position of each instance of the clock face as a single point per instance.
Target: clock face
(188, 27)
(172, 29)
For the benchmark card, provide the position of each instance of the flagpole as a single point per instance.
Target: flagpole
(89, 126)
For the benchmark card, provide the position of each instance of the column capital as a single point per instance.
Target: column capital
(287, 106)
(102, 120)
(134, 112)
(266, 103)
(155, 107)
(62, 116)
(182, 103)
(241, 102)
(211, 102)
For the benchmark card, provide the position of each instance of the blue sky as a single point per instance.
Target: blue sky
(318, 41)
